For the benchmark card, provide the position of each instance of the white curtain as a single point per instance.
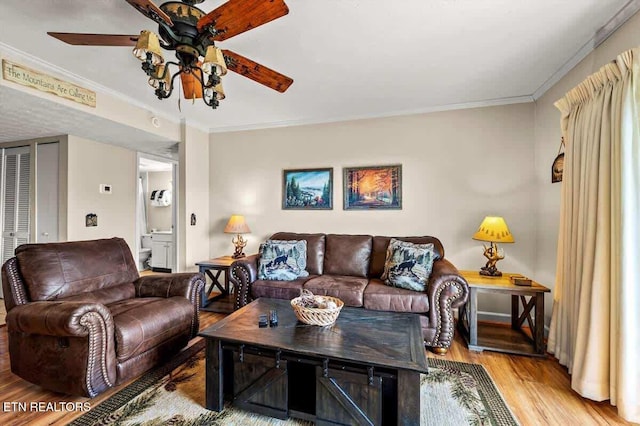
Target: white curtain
(595, 326)
(142, 209)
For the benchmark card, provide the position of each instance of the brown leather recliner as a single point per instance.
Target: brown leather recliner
(81, 320)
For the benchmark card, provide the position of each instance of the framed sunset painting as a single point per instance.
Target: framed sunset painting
(374, 187)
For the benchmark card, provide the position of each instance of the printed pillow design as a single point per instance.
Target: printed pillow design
(408, 265)
(282, 260)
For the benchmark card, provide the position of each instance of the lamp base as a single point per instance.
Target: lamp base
(237, 254)
(239, 244)
(490, 272)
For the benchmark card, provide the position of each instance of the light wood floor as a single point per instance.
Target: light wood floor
(536, 389)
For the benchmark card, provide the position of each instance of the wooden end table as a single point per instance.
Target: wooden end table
(218, 265)
(502, 339)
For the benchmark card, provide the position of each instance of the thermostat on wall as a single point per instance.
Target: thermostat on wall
(105, 188)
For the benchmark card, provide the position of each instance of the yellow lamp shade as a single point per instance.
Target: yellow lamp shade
(237, 225)
(160, 76)
(148, 43)
(495, 230)
(214, 61)
(217, 89)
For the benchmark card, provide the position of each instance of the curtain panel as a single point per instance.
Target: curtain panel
(595, 322)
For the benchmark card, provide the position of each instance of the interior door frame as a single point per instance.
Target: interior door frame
(174, 206)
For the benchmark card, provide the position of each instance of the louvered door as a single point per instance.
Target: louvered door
(16, 173)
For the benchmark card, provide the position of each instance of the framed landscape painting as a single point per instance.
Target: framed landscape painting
(375, 187)
(307, 189)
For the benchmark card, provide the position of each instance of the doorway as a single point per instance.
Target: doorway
(156, 214)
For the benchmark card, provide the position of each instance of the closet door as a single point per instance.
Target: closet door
(16, 174)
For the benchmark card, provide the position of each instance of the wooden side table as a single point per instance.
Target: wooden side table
(502, 339)
(218, 265)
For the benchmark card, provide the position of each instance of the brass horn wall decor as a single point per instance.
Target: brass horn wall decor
(557, 168)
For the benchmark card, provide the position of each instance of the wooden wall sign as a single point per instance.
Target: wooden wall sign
(45, 83)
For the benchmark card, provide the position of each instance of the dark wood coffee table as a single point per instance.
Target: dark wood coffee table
(365, 369)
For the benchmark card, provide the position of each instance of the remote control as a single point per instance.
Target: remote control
(273, 318)
(262, 321)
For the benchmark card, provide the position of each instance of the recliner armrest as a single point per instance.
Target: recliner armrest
(187, 284)
(80, 334)
(244, 272)
(59, 318)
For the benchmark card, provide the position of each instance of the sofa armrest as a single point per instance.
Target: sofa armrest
(446, 290)
(244, 272)
(78, 334)
(187, 284)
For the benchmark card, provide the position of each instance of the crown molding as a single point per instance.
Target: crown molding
(33, 61)
(622, 16)
(618, 20)
(323, 120)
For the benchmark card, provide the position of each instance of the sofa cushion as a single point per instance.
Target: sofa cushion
(379, 251)
(278, 289)
(347, 255)
(408, 265)
(55, 270)
(282, 260)
(142, 323)
(349, 289)
(315, 248)
(381, 297)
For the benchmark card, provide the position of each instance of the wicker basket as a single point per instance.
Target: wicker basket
(317, 316)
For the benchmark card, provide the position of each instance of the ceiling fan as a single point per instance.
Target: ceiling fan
(192, 34)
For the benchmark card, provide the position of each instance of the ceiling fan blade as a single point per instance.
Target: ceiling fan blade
(151, 11)
(78, 39)
(237, 16)
(256, 72)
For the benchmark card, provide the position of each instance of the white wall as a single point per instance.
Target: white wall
(89, 165)
(158, 217)
(457, 167)
(193, 240)
(547, 140)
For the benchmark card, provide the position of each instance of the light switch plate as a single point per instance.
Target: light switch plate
(106, 188)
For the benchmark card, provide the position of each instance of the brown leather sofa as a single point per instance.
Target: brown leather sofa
(349, 267)
(81, 320)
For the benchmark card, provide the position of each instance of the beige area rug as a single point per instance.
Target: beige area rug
(453, 393)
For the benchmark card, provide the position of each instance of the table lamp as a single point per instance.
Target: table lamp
(494, 230)
(238, 226)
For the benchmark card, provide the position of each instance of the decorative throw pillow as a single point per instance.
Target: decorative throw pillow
(408, 265)
(282, 260)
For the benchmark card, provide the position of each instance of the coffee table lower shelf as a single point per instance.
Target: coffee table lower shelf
(323, 390)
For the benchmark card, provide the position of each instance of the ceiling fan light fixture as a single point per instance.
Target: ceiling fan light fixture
(214, 62)
(218, 90)
(161, 75)
(148, 43)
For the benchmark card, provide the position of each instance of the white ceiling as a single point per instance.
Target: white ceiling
(348, 58)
